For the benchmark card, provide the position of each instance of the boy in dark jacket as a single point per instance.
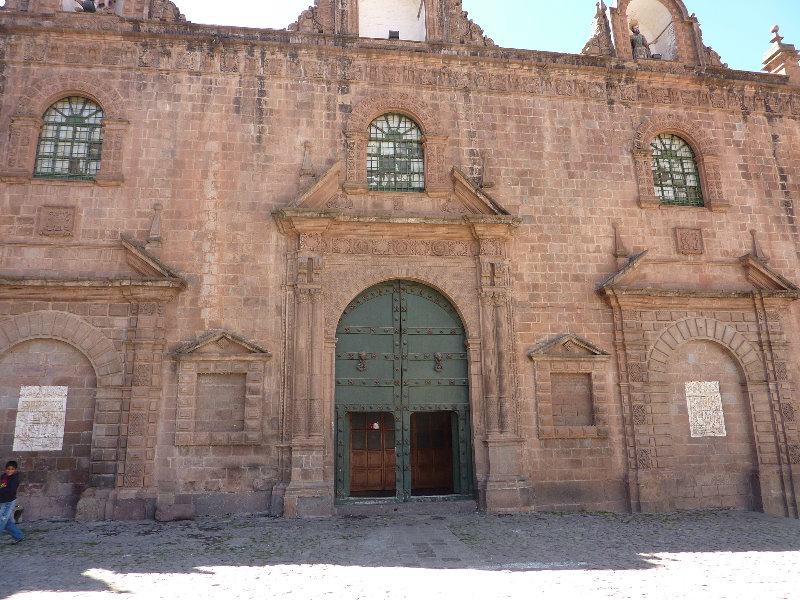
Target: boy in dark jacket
(9, 483)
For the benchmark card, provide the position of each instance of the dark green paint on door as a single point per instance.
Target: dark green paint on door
(401, 371)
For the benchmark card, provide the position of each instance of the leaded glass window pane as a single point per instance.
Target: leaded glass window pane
(71, 140)
(395, 160)
(675, 172)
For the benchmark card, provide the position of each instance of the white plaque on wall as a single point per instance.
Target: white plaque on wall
(704, 402)
(40, 418)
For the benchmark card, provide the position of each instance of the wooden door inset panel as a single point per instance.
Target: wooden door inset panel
(372, 450)
(431, 453)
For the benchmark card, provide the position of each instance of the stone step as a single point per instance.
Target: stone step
(420, 506)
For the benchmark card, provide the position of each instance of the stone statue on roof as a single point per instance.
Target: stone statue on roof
(641, 48)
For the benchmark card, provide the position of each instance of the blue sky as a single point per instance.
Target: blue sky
(737, 29)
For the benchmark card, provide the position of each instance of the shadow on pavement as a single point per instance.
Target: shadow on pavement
(66, 555)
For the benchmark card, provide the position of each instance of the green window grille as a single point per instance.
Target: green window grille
(395, 159)
(675, 172)
(71, 140)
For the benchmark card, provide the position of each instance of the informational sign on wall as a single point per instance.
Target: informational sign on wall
(704, 402)
(40, 418)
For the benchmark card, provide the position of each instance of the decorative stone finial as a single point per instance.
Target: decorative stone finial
(154, 238)
(484, 183)
(600, 43)
(307, 168)
(758, 254)
(782, 59)
(620, 253)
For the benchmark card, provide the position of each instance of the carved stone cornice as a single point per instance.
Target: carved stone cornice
(139, 290)
(334, 232)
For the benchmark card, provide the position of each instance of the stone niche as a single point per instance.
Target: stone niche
(376, 18)
(571, 397)
(220, 391)
(655, 22)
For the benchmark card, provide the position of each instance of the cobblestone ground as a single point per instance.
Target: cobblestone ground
(544, 555)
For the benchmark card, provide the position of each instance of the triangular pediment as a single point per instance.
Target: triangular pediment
(220, 342)
(763, 277)
(465, 198)
(144, 263)
(644, 274)
(567, 346)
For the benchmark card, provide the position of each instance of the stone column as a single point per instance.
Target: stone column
(315, 416)
(489, 364)
(300, 363)
(504, 375)
(621, 33)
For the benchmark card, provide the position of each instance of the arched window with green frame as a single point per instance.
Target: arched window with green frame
(675, 174)
(71, 140)
(395, 157)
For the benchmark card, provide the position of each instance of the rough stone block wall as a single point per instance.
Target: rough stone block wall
(220, 402)
(572, 399)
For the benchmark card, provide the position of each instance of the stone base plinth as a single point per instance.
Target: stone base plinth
(505, 490)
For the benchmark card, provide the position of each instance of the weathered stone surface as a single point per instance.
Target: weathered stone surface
(175, 512)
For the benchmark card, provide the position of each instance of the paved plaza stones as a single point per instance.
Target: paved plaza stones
(714, 555)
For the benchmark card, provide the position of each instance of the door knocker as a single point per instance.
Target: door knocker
(438, 367)
(362, 361)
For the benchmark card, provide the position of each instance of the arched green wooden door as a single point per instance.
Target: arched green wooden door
(402, 395)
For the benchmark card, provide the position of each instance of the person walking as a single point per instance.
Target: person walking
(9, 483)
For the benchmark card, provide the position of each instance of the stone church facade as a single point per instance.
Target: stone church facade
(375, 258)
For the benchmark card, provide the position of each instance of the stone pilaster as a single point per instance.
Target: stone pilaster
(505, 489)
(489, 365)
(139, 415)
(356, 164)
(24, 135)
(111, 159)
(307, 494)
(644, 176)
(436, 183)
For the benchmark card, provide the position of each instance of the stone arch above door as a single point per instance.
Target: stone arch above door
(340, 293)
(700, 328)
(71, 329)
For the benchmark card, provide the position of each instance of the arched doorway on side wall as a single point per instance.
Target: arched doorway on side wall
(402, 396)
